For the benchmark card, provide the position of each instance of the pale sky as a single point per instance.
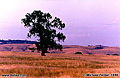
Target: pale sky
(88, 22)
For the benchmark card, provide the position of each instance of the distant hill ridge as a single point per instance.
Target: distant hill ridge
(67, 49)
(16, 42)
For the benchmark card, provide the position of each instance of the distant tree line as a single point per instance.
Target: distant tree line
(16, 42)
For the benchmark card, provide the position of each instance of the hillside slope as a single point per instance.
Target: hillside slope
(67, 49)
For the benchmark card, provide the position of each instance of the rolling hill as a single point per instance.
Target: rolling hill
(67, 49)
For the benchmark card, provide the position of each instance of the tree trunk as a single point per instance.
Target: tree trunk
(43, 53)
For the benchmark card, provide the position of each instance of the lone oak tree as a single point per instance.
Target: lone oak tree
(42, 26)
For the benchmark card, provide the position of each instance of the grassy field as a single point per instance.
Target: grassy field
(58, 65)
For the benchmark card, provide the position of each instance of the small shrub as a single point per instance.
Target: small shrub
(47, 52)
(78, 52)
(32, 49)
(99, 47)
(116, 54)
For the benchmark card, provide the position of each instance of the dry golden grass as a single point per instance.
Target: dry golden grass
(58, 65)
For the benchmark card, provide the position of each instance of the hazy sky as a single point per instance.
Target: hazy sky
(87, 22)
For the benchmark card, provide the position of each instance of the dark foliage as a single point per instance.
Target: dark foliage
(43, 27)
(99, 47)
(116, 54)
(78, 52)
(107, 54)
(16, 42)
(67, 47)
(32, 49)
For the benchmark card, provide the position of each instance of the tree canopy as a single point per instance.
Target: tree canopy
(43, 26)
